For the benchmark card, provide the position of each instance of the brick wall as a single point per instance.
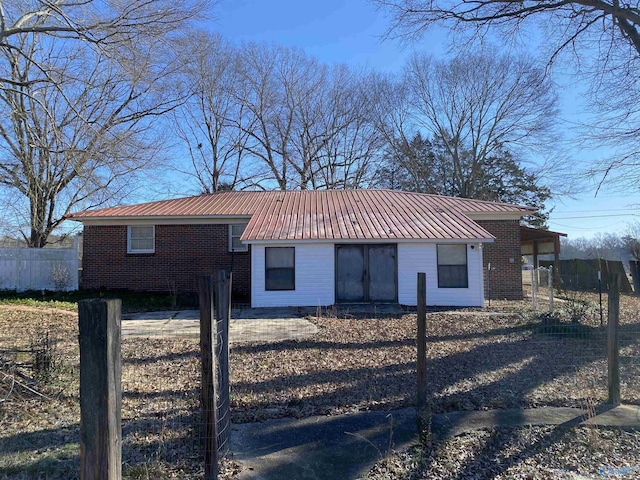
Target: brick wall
(182, 253)
(504, 256)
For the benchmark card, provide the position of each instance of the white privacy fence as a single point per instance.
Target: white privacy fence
(24, 269)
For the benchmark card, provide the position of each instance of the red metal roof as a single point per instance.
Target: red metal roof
(327, 214)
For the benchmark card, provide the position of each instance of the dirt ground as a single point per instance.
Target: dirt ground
(494, 358)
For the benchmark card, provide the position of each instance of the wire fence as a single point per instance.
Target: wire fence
(516, 360)
(629, 340)
(298, 363)
(585, 310)
(162, 423)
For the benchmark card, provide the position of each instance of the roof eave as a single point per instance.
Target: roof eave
(157, 219)
(257, 241)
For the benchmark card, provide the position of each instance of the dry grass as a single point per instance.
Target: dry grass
(532, 453)
(477, 360)
(493, 358)
(39, 423)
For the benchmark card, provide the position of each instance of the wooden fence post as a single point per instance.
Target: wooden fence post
(223, 314)
(208, 390)
(421, 366)
(100, 389)
(613, 346)
(634, 267)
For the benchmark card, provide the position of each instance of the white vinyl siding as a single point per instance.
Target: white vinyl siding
(314, 277)
(141, 239)
(422, 257)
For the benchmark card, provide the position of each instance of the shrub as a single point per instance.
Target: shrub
(61, 277)
(45, 357)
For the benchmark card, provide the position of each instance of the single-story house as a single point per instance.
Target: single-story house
(310, 248)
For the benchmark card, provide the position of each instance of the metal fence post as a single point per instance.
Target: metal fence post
(534, 290)
(613, 346)
(208, 390)
(223, 315)
(100, 389)
(600, 291)
(489, 281)
(550, 284)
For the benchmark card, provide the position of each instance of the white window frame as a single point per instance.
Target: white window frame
(243, 247)
(466, 264)
(143, 250)
(268, 267)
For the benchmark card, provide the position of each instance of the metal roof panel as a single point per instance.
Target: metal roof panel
(327, 214)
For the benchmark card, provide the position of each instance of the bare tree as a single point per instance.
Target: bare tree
(603, 245)
(258, 91)
(209, 122)
(481, 102)
(631, 240)
(612, 22)
(98, 22)
(601, 35)
(451, 127)
(83, 83)
(350, 144)
(308, 125)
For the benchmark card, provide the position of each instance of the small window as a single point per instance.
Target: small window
(235, 232)
(280, 268)
(141, 239)
(452, 266)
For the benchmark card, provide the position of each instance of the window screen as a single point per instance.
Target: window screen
(452, 266)
(280, 271)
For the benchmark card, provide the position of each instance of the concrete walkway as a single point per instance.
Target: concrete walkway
(347, 446)
(455, 423)
(246, 325)
(323, 447)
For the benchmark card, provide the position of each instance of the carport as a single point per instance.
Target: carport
(536, 241)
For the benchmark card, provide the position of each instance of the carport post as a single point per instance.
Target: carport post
(421, 366)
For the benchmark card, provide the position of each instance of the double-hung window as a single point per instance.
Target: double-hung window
(141, 239)
(452, 266)
(280, 268)
(235, 232)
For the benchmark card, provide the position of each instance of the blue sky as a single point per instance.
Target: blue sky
(349, 31)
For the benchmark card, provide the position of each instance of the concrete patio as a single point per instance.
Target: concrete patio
(249, 324)
(246, 325)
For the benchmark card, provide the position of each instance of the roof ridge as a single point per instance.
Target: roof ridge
(464, 199)
(250, 202)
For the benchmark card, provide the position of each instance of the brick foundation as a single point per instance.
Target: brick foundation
(182, 253)
(504, 255)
